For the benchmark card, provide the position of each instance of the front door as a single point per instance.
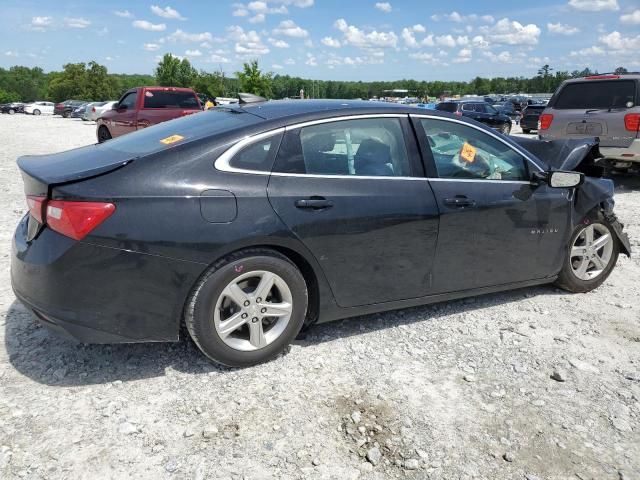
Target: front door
(352, 191)
(496, 227)
(124, 121)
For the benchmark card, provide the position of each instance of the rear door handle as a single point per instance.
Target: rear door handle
(459, 201)
(314, 203)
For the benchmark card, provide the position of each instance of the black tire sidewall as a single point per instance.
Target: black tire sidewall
(568, 279)
(201, 325)
(102, 128)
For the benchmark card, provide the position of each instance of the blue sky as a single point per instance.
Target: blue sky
(327, 39)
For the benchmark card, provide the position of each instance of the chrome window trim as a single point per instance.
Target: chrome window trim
(347, 117)
(453, 120)
(222, 163)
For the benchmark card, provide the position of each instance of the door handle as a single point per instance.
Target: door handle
(459, 201)
(314, 203)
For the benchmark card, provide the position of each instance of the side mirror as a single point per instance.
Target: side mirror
(560, 179)
(117, 106)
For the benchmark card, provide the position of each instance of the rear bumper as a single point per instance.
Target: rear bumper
(96, 294)
(629, 154)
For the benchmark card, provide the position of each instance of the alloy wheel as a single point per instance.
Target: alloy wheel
(591, 251)
(253, 310)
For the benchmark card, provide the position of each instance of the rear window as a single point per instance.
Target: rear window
(598, 94)
(179, 131)
(447, 107)
(534, 109)
(168, 99)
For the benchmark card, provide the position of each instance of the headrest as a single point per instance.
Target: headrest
(320, 142)
(373, 151)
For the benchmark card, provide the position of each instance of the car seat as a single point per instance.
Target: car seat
(373, 158)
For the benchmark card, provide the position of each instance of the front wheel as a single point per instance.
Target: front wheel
(11, 111)
(247, 308)
(103, 134)
(506, 129)
(66, 114)
(593, 252)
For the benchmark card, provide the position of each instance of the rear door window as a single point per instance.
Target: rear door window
(169, 99)
(600, 94)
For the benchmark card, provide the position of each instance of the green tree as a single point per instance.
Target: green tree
(620, 71)
(70, 83)
(173, 72)
(252, 80)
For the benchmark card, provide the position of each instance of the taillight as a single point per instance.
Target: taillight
(632, 122)
(93, 109)
(36, 207)
(77, 219)
(545, 120)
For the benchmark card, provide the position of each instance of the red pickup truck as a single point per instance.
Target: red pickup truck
(142, 107)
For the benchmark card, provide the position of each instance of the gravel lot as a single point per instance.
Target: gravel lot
(460, 390)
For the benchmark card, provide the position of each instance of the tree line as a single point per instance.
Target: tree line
(92, 81)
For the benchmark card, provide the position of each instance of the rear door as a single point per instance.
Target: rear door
(593, 108)
(496, 227)
(352, 190)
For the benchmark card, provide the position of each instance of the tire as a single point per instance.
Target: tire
(526, 130)
(569, 278)
(103, 134)
(505, 129)
(210, 305)
(11, 111)
(66, 114)
(36, 112)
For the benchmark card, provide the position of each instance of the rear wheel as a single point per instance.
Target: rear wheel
(36, 112)
(66, 114)
(593, 252)
(247, 308)
(103, 134)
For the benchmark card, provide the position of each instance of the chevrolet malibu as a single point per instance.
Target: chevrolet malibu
(247, 223)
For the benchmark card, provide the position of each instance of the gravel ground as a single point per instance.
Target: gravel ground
(460, 390)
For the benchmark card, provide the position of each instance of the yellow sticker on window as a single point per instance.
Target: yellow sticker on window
(468, 153)
(171, 139)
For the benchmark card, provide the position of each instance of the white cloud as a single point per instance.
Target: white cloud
(418, 28)
(123, 13)
(277, 66)
(330, 42)
(632, 18)
(289, 61)
(358, 38)
(409, 38)
(423, 57)
(240, 12)
(193, 53)
(40, 23)
(445, 41)
(289, 28)
(464, 56)
(562, 29)
(247, 43)
(615, 41)
(278, 43)
(76, 22)
(11, 53)
(167, 12)
(588, 52)
(458, 18)
(502, 57)
(594, 5)
(384, 7)
(479, 42)
(295, 3)
(259, 18)
(509, 32)
(151, 27)
(151, 47)
(312, 61)
(182, 36)
(219, 59)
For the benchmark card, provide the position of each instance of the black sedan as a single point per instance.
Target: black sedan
(480, 111)
(247, 223)
(11, 108)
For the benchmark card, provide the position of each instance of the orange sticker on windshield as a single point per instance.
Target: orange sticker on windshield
(171, 139)
(468, 152)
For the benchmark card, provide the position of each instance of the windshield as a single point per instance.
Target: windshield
(597, 94)
(179, 131)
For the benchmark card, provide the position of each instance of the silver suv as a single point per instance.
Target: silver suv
(605, 106)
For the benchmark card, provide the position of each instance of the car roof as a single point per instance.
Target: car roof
(277, 109)
(605, 76)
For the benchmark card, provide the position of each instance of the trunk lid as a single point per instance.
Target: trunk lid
(40, 172)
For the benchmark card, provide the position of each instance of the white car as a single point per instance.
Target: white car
(39, 108)
(95, 112)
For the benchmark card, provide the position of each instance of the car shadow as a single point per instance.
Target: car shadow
(626, 183)
(54, 360)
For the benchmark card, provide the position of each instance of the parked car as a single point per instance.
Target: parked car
(478, 110)
(249, 221)
(87, 109)
(12, 108)
(39, 108)
(144, 106)
(428, 106)
(78, 112)
(508, 109)
(604, 106)
(530, 117)
(67, 107)
(95, 111)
